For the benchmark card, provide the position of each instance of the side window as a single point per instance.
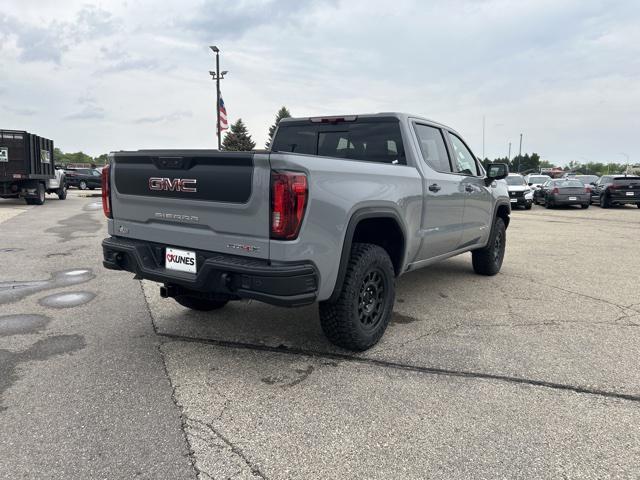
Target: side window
(463, 160)
(433, 148)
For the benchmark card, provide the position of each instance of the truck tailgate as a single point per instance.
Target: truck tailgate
(201, 199)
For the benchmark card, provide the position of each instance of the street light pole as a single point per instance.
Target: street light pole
(509, 159)
(217, 76)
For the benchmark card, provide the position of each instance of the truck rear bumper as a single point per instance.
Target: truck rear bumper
(282, 284)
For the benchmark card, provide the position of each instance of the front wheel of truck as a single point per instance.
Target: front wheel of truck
(488, 260)
(360, 315)
(200, 304)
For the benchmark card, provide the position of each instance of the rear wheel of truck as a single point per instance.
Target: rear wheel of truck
(39, 200)
(360, 315)
(201, 304)
(62, 192)
(488, 260)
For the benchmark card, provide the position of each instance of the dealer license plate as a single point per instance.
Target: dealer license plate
(180, 260)
(572, 198)
(629, 194)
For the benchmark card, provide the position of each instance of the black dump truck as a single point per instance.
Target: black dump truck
(27, 169)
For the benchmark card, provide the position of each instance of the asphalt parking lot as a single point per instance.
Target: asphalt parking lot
(532, 373)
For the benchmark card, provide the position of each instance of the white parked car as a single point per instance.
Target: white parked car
(535, 181)
(520, 194)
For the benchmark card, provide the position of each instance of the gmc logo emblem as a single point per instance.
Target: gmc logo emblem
(173, 185)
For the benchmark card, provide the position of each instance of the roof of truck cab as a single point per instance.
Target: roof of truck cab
(381, 115)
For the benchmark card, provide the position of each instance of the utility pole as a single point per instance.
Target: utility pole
(483, 156)
(520, 153)
(217, 76)
(626, 170)
(509, 157)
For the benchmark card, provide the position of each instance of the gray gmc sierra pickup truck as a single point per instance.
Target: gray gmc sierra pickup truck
(337, 209)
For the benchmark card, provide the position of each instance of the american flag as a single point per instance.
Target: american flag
(224, 125)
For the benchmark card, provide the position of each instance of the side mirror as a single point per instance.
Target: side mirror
(593, 183)
(497, 171)
(530, 184)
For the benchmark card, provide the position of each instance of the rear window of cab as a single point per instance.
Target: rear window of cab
(378, 141)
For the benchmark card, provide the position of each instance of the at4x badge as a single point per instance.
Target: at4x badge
(245, 248)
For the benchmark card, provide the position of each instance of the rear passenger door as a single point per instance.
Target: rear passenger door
(443, 198)
(478, 205)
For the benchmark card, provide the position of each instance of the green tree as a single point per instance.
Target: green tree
(101, 159)
(282, 113)
(238, 138)
(546, 164)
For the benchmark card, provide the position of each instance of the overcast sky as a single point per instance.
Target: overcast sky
(134, 74)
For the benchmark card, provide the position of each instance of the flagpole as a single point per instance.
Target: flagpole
(217, 77)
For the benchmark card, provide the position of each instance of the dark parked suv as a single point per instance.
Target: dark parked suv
(616, 190)
(83, 178)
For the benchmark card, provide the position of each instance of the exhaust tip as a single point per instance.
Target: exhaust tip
(167, 291)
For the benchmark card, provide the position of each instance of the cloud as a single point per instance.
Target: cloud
(27, 112)
(89, 110)
(172, 117)
(116, 59)
(220, 19)
(48, 42)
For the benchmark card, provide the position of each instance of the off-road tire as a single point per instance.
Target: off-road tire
(528, 206)
(604, 201)
(200, 304)
(62, 192)
(488, 260)
(41, 196)
(358, 318)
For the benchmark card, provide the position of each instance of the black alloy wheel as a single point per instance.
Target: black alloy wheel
(371, 299)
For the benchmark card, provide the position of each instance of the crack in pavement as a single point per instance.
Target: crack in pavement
(623, 308)
(183, 417)
(402, 366)
(255, 470)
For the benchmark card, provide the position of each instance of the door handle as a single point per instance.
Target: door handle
(468, 188)
(434, 187)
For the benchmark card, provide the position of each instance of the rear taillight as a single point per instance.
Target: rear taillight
(614, 187)
(106, 192)
(555, 190)
(587, 189)
(288, 202)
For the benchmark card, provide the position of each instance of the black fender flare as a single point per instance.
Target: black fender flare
(357, 216)
(499, 203)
